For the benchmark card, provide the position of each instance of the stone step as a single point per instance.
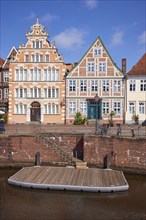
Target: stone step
(81, 165)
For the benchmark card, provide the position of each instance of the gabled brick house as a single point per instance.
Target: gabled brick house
(95, 73)
(37, 85)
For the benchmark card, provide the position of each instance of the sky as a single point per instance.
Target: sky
(75, 24)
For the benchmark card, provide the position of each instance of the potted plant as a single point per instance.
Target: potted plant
(135, 118)
(110, 120)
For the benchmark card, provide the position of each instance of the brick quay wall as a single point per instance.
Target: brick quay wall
(124, 153)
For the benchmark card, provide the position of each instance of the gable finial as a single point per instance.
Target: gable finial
(37, 20)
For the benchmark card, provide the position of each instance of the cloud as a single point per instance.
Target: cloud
(48, 18)
(142, 38)
(70, 38)
(117, 38)
(91, 4)
(31, 16)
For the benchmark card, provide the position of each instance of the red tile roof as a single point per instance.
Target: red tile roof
(1, 62)
(140, 67)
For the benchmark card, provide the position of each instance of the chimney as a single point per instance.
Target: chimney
(124, 66)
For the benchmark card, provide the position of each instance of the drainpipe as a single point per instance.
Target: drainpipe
(125, 88)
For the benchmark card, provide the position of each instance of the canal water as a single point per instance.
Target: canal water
(29, 204)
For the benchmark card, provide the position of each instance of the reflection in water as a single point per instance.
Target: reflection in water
(24, 204)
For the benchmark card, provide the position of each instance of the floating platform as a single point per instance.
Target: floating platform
(70, 178)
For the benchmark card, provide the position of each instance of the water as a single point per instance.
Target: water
(27, 204)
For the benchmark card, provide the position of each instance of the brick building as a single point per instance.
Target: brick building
(96, 73)
(37, 85)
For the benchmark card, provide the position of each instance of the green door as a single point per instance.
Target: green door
(91, 110)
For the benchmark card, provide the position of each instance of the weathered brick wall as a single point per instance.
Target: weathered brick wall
(22, 149)
(123, 152)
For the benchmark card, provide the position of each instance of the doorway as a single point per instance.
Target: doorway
(35, 112)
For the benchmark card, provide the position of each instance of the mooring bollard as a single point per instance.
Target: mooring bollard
(37, 159)
(106, 161)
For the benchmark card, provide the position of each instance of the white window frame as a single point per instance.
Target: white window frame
(117, 85)
(20, 108)
(141, 108)
(72, 107)
(105, 85)
(97, 52)
(83, 107)
(83, 85)
(72, 85)
(143, 85)
(6, 93)
(132, 85)
(6, 76)
(105, 107)
(102, 67)
(117, 108)
(91, 67)
(51, 109)
(131, 108)
(94, 85)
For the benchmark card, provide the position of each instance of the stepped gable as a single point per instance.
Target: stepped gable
(140, 67)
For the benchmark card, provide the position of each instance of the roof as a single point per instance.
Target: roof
(1, 62)
(140, 67)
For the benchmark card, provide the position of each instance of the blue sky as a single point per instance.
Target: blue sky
(75, 24)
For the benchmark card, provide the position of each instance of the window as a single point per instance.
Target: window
(47, 57)
(72, 107)
(51, 93)
(6, 76)
(83, 86)
(6, 93)
(51, 109)
(97, 52)
(0, 93)
(94, 85)
(32, 58)
(132, 85)
(41, 58)
(117, 107)
(143, 85)
(141, 108)
(102, 67)
(83, 107)
(35, 93)
(20, 93)
(131, 108)
(90, 67)
(72, 85)
(117, 85)
(105, 86)
(57, 75)
(105, 107)
(51, 74)
(37, 44)
(20, 109)
(26, 58)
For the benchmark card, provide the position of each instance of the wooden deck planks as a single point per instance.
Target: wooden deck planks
(63, 176)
